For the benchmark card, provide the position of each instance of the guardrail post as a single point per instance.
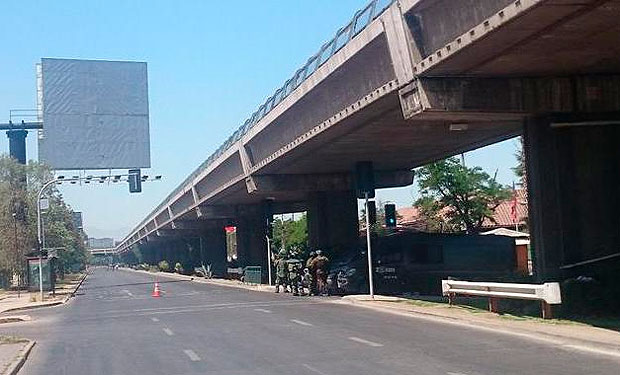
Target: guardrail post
(493, 304)
(451, 297)
(546, 309)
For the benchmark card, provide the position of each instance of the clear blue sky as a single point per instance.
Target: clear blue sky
(210, 64)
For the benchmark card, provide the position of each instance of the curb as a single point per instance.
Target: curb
(22, 308)
(17, 364)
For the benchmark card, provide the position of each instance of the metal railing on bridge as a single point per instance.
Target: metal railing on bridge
(359, 22)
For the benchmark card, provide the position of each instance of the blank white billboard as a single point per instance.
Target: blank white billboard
(95, 114)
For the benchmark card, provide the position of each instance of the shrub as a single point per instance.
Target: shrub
(153, 269)
(178, 268)
(164, 266)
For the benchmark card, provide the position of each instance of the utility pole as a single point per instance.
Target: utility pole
(371, 285)
(18, 256)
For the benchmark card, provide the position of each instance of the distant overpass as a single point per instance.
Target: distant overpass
(104, 252)
(402, 84)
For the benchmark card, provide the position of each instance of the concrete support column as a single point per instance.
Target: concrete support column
(17, 144)
(213, 250)
(252, 228)
(573, 174)
(332, 221)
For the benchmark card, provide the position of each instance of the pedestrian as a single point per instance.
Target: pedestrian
(281, 272)
(320, 266)
(311, 274)
(294, 275)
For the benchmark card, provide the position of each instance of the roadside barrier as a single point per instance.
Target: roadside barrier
(547, 293)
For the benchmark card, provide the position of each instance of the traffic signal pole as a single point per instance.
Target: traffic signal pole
(371, 286)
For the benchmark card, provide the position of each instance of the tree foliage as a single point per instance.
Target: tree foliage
(519, 169)
(292, 235)
(456, 196)
(19, 187)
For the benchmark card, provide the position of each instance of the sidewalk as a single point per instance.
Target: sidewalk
(11, 301)
(13, 354)
(568, 334)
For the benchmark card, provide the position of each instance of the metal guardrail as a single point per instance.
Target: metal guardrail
(548, 293)
(359, 22)
(252, 274)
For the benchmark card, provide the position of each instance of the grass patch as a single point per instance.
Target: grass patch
(11, 340)
(527, 313)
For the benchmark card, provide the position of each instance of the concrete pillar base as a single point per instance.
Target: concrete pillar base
(333, 222)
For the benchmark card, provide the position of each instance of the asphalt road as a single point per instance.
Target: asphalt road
(115, 327)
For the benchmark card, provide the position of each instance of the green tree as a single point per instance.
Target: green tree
(464, 196)
(290, 234)
(19, 186)
(519, 169)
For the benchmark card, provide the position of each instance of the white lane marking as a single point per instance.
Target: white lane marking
(613, 353)
(263, 311)
(362, 341)
(219, 305)
(128, 292)
(192, 355)
(129, 313)
(301, 322)
(313, 369)
(155, 319)
(168, 331)
(455, 373)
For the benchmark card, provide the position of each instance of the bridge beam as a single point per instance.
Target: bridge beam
(326, 182)
(471, 98)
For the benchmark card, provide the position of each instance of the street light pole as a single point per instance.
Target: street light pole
(40, 232)
(60, 179)
(268, 258)
(371, 286)
(19, 276)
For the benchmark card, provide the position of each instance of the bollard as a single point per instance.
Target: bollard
(493, 304)
(546, 309)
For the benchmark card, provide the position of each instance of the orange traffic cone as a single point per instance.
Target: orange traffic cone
(156, 292)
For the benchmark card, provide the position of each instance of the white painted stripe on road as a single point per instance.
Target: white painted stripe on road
(263, 311)
(362, 341)
(168, 331)
(155, 319)
(220, 305)
(192, 355)
(313, 369)
(455, 373)
(301, 322)
(128, 292)
(613, 353)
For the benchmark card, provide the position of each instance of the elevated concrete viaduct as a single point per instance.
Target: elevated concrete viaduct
(411, 81)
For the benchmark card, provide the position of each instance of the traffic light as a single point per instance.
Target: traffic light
(135, 181)
(390, 215)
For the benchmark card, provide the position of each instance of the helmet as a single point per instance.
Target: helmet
(319, 252)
